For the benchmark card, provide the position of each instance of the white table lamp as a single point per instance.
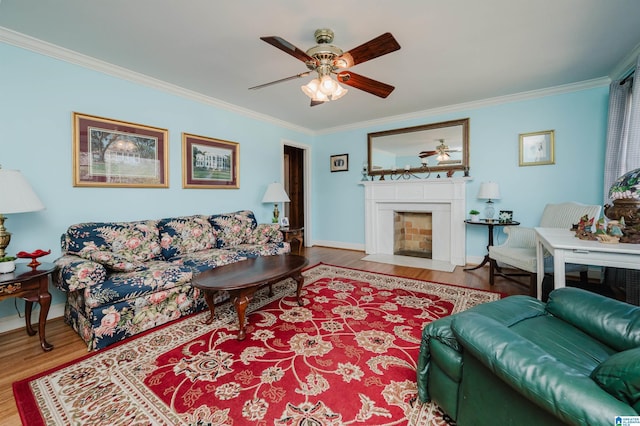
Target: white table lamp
(275, 194)
(489, 191)
(16, 196)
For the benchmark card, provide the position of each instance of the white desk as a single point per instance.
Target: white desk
(565, 247)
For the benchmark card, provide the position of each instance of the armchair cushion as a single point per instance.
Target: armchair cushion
(620, 376)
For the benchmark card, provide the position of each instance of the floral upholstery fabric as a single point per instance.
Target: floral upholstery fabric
(120, 246)
(186, 235)
(234, 228)
(75, 273)
(125, 278)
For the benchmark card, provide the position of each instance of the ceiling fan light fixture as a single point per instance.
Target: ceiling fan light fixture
(339, 92)
(311, 88)
(328, 85)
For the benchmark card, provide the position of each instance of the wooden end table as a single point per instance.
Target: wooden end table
(490, 224)
(294, 234)
(32, 285)
(242, 279)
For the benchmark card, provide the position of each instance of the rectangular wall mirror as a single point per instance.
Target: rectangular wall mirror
(435, 147)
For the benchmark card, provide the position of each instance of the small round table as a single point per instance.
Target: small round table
(490, 224)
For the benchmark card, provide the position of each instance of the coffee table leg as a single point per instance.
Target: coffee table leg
(241, 301)
(300, 280)
(208, 297)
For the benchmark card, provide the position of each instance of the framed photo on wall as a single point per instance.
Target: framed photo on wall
(537, 148)
(210, 163)
(340, 163)
(113, 153)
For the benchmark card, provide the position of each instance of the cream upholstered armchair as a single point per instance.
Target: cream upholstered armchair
(519, 250)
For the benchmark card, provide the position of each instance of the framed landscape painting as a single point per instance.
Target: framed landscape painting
(113, 153)
(210, 163)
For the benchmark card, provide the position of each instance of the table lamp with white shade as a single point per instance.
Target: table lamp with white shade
(16, 196)
(489, 191)
(275, 194)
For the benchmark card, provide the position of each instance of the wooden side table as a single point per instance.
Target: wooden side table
(294, 234)
(32, 286)
(490, 224)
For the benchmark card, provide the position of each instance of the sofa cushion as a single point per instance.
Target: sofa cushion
(114, 243)
(187, 234)
(265, 233)
(619, 375)
(234, 228)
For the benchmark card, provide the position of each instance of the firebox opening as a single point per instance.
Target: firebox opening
(413, 234)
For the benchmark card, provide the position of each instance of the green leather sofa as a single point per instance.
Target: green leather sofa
(519, 361)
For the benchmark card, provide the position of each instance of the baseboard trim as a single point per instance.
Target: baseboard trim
(14, 322)
(339, 245)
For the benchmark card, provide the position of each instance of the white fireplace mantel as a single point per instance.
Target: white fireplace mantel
(444, 198)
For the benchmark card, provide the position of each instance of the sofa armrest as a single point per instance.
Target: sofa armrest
(75, 273)
(538, 376)
(439, 330)
(610, 321)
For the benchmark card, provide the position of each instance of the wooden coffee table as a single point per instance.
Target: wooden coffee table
(242, 279)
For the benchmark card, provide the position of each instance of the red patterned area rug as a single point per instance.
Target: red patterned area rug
(347, 356)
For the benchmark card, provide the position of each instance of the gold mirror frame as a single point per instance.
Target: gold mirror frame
(404, 150)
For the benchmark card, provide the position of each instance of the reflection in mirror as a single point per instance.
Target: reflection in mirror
(421, 149)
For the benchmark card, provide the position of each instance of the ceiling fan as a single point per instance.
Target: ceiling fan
(442, 150)
(327, 59)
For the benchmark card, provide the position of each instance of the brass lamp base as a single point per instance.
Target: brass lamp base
(276, 214)
(5, 236)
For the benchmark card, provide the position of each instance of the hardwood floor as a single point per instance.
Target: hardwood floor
(21, 355)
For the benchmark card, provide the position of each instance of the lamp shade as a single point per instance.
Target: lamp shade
(275, 194)
(489, 191)
(16, 195)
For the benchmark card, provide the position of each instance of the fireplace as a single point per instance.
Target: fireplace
(443, 199)
(412, 234)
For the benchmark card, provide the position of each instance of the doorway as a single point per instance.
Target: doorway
(294, 184)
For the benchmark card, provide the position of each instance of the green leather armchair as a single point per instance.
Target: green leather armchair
(518, 361)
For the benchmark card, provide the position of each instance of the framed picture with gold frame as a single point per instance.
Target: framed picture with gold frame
(114, 153)
(210, 163)
(537, 148)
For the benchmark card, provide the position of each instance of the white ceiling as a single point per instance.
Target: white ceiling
(452, 52)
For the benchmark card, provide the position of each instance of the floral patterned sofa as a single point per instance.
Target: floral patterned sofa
(122, 278)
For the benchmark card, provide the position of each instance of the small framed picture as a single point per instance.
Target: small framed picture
(537, 149)
(284, 221)
(505, 216)
(340, 163)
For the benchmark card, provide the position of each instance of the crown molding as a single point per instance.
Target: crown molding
(626, 65)
(48, 49)
(532, 94)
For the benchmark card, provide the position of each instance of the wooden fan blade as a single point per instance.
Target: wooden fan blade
(379, 46)
(293, 77)
(287, 47)
(365, 83)
(424, 154)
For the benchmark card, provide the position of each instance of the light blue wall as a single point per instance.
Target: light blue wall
(37, 97)
(578, 118)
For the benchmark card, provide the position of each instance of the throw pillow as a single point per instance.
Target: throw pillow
(265, 233)
(235, 228)
(619, 375)
(187, 234)
(112, 260)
